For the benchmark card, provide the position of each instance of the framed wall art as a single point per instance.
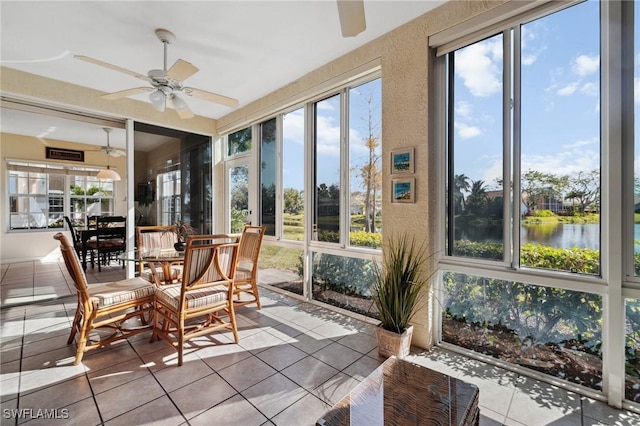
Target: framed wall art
(402, 161)
(403, 190)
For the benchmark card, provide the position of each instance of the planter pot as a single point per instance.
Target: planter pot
(179, 246)
(391, 343)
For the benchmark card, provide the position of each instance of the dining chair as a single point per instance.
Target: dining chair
(245, 281)
(123, 307)
(90, 245)
(111, 234)
(157, 238)
(202, 302)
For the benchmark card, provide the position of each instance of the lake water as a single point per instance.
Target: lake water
(567, 235)
(560, 235)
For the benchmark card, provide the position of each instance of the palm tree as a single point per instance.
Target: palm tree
(460, 183)
(477, 200)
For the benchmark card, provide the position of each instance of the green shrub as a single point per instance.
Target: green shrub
(365, 239)
(541, 213)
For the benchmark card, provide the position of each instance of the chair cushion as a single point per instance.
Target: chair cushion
(198, 298)
(243, 271)
(107, 294)
(176, 274)
(114, 243)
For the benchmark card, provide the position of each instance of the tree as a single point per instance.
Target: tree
(460, 184)
(293, 201)
(370, 172)
(477, 200)
(537, 186)
(240, 141)
(584, 187)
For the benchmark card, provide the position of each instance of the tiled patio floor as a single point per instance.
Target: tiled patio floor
(294, 361)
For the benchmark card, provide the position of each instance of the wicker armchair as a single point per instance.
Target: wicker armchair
(122, 306)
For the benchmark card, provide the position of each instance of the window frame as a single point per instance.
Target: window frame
(47, 170)
(617, 280)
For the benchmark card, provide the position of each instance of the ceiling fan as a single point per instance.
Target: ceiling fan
(108, 149)
(352, 19)
(166, 84)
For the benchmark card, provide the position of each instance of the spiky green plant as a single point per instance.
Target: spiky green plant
(397, 286)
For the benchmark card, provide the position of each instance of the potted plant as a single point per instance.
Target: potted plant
(397, 294)
(182, 230)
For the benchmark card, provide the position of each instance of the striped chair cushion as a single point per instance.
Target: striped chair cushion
(243, 271)
(107, 294)
(176, 274)
(170, 295)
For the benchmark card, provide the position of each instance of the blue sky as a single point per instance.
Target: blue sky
(328, 134)
(560, 98)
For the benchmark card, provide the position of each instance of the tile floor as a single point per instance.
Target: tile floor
(294, 361)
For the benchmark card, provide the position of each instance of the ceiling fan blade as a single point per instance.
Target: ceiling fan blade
(352, 19)
(181, 107)
(113, 152)
(112, 67)
(181, 70)
(128, 92)
(211, 97)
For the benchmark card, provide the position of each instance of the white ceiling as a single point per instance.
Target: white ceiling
(244, 49)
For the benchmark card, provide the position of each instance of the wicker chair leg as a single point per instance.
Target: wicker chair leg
(74, 325)
(82, 341)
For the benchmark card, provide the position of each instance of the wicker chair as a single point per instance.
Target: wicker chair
(108, 305)
(245, 282)
(193, 307)
(157, 238)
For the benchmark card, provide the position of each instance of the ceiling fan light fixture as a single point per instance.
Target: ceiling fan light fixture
(108, 174)
(178, 102)
(158, 100)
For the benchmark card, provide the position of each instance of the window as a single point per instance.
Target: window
(523, 161)
(169, 196)
(293, 175)
(327, 169)
(329, 147)
(268, 168)
(39, 192)
(537, 124)
(239, 142)
(365, 165)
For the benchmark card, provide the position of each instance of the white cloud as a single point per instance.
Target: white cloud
(328, 136)
(293, 127)
(466, 131)
(584, 65)
(591, 89)
(531, 46)
(464, 109)
(479, 67)
(636, 89)
(581, 143)
(567, 90)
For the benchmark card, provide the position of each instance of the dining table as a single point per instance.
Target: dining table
(162, 258)
(86, 234)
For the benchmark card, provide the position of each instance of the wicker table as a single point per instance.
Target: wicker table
(402, 393)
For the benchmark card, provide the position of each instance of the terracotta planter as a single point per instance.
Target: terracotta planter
(392, 343)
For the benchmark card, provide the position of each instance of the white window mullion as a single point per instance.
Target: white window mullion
(613, 364)
(510, 236)
(345, 189)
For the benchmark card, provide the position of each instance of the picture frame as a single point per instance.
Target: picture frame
(403, 190)
(402, 161)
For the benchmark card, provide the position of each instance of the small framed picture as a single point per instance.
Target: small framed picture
(403, 190)
(402, 161)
